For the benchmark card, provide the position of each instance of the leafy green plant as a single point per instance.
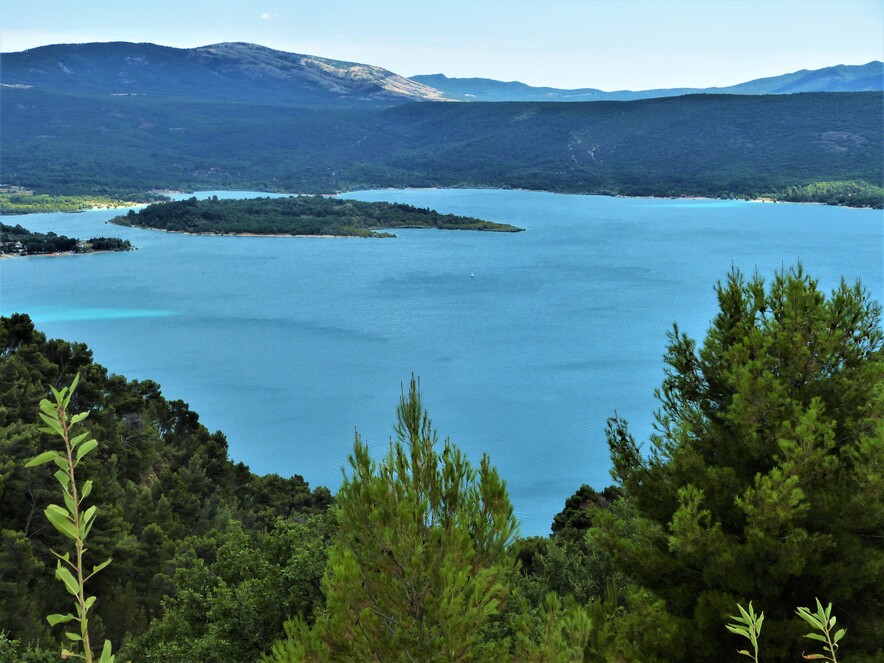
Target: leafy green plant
(823, 621)
(748, 625)
(71, 520)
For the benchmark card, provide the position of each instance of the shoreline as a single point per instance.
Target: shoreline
(57, 254)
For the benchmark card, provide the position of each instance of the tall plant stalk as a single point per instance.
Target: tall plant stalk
(71, 520)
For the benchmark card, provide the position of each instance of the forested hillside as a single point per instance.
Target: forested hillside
(761, 484)
(170, 503)
(712, 145)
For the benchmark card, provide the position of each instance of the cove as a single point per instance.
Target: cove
(525, 343)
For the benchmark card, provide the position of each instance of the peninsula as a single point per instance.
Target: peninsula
(297, 216)
(18, 241)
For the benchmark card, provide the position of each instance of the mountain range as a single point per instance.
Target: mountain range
(221, 72)
(249, 72)
(841, 78)
(120, 117)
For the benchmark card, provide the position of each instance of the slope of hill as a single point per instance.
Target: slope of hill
(692, 145)
(223, 72)
(841, 78)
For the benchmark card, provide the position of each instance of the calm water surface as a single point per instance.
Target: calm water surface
(525, 343)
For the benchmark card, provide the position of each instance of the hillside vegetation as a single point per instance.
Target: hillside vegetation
(695, 145)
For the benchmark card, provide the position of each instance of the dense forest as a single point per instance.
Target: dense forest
(852, 194)
(709, 145)
(19, 241)
(297, 215)
(761, 483)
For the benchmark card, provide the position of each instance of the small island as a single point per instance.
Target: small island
(297, 216)
(19, 241)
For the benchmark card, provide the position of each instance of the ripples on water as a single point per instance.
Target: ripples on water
(525, 343)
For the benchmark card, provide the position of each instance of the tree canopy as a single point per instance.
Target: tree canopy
(763, 477)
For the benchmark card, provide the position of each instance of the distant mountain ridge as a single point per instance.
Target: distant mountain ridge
(241, 72)
(119, 118)
(840, 78)
(221, 72)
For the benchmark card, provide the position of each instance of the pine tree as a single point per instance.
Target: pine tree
(422, 563)
(763, 480)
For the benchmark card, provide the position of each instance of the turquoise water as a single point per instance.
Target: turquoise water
(525, 343)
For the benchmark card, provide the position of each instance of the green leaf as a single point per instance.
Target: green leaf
(85, 448)
(79, 438)
(63, 478)
(106, 656)
(87, 489)
(77, 418)
(839, 634)
(68, 579)
(68, 500)
(90, 601)
(59, 619)
(73, 636)
(99, 567)
(61, 462)
(52, 423)
(87, 518)
(60, 520)
(737, 629)
(73, 386)
(815, 636)
(44, 457)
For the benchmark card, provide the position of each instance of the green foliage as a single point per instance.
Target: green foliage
(29, 203)
(232, 608)
(421, 565)
(166, 492)
(297, 215)
(16, 240)
(712, 145)
(12, 651)
(748, 625)
(854, 193)
(822, 621)
(72, 520)
(762, 477)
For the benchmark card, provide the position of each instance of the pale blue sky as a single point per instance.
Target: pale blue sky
(630, 44)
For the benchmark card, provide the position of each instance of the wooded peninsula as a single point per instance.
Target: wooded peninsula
(297, 216)
(18, 241)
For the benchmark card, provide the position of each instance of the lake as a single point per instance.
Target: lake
(525, 343)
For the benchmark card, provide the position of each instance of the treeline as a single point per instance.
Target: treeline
(854, 193)
(707, 145)
(761, 484)
(16, 240)
(30, 203)
(297, 215)
(171, 504)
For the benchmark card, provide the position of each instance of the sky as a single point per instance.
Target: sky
(610, 45)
